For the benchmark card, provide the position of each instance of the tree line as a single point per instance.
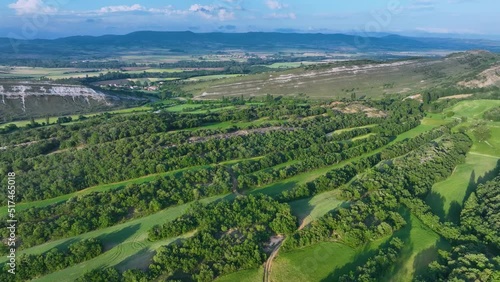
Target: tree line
(33, 266)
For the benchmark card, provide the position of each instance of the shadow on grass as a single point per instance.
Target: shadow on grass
(366, 252)
(140, 260)
(425, 257)
(65, 245)
(110, 240)
(454, 212)
(303, 208)
(436, 202)
(490, 175)
(274, 190)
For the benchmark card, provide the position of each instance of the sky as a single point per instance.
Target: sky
(30, 19)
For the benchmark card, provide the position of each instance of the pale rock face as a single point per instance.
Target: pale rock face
(55, 89)
(24, 90)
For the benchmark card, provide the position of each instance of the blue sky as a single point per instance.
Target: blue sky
(55, 18)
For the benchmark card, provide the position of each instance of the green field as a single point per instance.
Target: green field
(307, 210)
(447, 197)
(302, 178)
(324, 261)
(251, 275)
(328, 260)
(420, 249)
(353, 128)
(184, 107)
(100, 188)
(474, 110)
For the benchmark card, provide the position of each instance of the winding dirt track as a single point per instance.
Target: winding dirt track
(269, 262)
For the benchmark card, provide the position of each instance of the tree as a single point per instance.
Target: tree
(482, 133)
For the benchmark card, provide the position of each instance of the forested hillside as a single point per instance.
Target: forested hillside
(200, 195)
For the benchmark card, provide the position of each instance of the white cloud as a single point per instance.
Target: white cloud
(211, 12)
(224, 15)
(422, 5)
(208, 12)
(275, 5)
(122, 8)
(291, 16)
(24, 7)
(442, 30)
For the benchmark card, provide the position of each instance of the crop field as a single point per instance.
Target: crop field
(63, 73)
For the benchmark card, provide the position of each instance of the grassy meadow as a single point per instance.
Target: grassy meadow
(447, 197)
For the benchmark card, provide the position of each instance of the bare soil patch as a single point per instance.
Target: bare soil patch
(487, 78)
(359, 108)
(461, 96)
(417, 97)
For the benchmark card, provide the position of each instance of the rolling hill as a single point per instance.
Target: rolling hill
(189, 42)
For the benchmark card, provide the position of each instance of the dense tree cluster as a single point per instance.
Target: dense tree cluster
(268, 176)
(331, 180)
(340, 176)
(230, 237)
(467, 262)
(493, 114)
(109, 274)
(33, 266)
(101, 163)
(480, 215)
(380, 193)
(98, 210)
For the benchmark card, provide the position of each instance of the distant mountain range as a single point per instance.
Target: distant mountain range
(189, 42)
